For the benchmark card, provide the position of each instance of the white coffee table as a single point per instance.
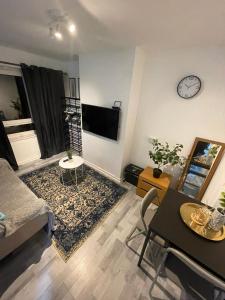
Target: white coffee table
(71, 164)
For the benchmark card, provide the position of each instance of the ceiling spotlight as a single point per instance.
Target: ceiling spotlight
(71, 28)
(58, 35)
(57, 32)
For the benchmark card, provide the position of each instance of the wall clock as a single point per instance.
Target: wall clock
(189, 86)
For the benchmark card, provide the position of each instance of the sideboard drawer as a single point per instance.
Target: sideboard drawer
(140, 192)
(147, 181)
(145, 185)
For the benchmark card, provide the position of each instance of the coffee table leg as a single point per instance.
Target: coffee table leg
(76, 175)
(61, 175)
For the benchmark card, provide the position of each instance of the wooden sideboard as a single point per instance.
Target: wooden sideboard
(146, 181)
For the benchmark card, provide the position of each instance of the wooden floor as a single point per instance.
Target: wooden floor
(103, 268)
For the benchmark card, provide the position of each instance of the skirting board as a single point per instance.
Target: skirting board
(103, 172)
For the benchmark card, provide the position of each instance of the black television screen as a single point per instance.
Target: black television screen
(100, 120)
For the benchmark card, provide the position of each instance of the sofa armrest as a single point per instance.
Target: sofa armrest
(4, 164)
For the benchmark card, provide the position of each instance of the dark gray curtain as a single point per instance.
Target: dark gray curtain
(45, 90)
(5, 148)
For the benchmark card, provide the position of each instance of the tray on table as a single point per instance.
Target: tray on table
(186, 212)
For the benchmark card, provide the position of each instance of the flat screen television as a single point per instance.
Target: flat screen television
(100, 120)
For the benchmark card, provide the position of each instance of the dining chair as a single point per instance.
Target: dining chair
(146, 215)
(195, 280)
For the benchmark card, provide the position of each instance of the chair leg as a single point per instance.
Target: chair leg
(128, 238)
(131, 236)
(157, 274)
(151, 254)
(147, 238)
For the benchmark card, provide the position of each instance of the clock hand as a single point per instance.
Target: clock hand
(193, 84)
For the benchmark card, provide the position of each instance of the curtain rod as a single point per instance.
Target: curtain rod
(16, 65)
(9, 63)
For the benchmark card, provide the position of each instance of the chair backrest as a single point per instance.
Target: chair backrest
(209, 277)
(146, 201)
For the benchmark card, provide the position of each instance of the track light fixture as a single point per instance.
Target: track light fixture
(57, 33)
(58, 23)
(71, 28)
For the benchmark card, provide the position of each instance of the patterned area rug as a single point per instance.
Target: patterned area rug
(77, 210)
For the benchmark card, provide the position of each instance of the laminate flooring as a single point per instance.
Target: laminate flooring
(103, 268)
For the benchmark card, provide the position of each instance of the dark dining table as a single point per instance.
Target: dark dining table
(167, 223)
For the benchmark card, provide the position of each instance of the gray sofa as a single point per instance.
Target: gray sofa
(25, 213)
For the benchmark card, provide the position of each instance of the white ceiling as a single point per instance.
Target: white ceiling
(106, 24)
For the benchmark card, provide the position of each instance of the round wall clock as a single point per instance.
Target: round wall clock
(189, 86)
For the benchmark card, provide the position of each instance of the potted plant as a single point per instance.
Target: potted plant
(16, 104)
(163, 155)
(69, 153)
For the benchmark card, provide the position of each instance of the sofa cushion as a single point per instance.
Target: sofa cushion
(17, 201)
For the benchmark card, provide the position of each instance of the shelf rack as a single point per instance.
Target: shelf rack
(72, 111)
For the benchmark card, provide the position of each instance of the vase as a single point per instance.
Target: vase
(157, 172)
(69, 154)
(217, 219)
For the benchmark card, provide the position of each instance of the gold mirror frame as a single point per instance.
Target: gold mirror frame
(211, 171)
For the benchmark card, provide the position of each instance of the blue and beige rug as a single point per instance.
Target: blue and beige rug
(77, 210)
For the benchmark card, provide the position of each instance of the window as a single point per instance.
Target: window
(14, 108)
(13, 100)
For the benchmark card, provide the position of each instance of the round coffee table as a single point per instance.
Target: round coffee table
(71, 164)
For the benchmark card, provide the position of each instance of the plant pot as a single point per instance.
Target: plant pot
(69, 154)
(157, 172)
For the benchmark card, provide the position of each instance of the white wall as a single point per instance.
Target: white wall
(8, 92)
(132, 109)
(105, 77)
(166, 116)
(19, 56)
(72, 67)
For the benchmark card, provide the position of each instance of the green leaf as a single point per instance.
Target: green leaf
(162, 154)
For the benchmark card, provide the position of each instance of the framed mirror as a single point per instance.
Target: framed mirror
(201, 164)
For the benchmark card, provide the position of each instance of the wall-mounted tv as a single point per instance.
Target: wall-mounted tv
(100, 120)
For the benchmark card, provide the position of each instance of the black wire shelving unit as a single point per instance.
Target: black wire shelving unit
(72, 114)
